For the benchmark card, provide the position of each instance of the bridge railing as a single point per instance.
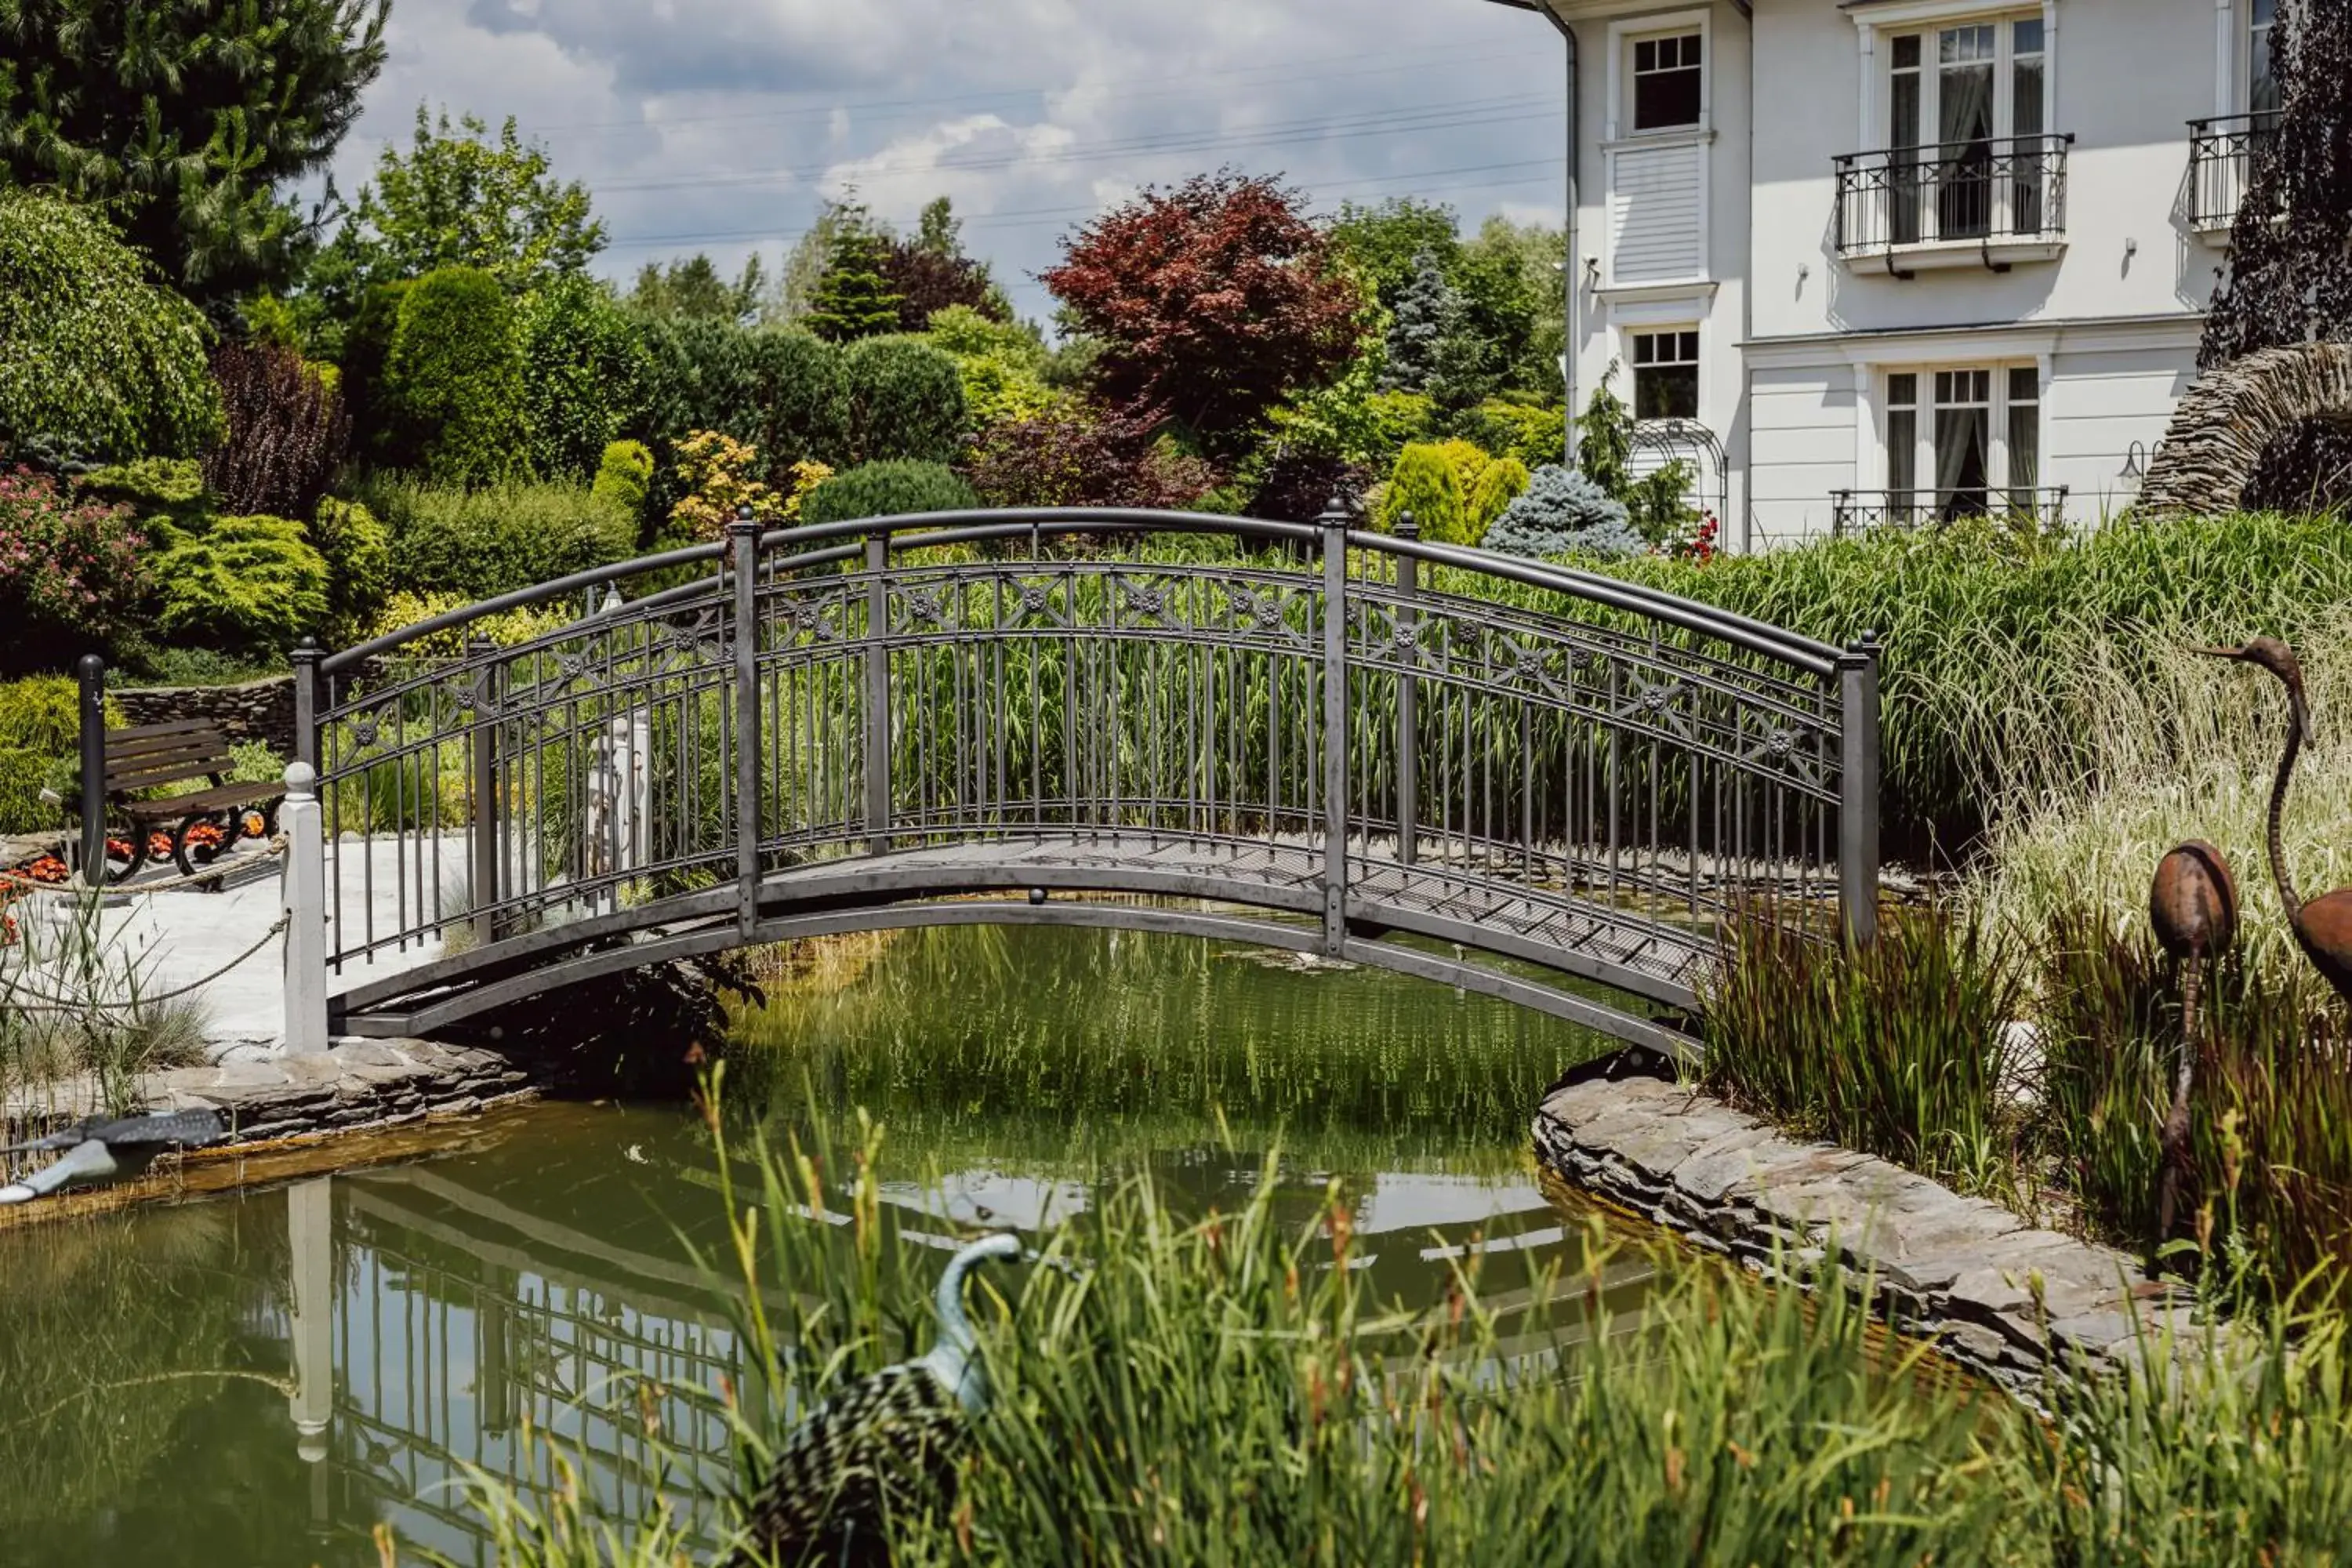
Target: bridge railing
(1373, 731)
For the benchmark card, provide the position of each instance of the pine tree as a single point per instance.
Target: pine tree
(854, 299)
(183, 121)
(1433, 347)
(2290, 270)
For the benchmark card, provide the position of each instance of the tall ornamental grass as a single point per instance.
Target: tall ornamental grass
(2165, 745)
(1986, 632)
(2268, 1193)
(1899, 1046)
(1230, 1391)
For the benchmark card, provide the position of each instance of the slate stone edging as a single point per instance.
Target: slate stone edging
(358, 1086)
(1961, 1272)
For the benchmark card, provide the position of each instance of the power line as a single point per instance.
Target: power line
(1408, 59)
(1029, 217)
(1454, 117)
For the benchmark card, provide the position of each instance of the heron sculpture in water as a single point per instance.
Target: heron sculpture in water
(103, 1151)
(2323, 927)
(870, 1445)
(2193, 904)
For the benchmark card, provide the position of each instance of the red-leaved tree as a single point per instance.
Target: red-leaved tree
(287, 433)
(926, 282)
(1075, 455)
(1214, 299)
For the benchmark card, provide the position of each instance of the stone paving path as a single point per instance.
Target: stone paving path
(1991, 1290)
(187, 935)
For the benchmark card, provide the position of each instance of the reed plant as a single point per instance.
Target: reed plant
(2269, 1185)
(1901, 1046)
(1229, 1390)
(77, 999)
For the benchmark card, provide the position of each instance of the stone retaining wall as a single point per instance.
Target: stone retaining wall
(1989, 1289)
(258, 711)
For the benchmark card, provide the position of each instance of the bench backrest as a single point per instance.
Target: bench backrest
(155, 754)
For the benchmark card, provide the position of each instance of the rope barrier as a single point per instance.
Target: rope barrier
(45, 1002)
(65, 1004)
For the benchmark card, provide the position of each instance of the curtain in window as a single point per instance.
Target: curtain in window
(1963, 460)
(1964, 124)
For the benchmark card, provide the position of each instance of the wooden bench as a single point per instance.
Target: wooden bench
(206, 822)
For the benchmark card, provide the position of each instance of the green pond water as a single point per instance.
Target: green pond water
(263, 1378)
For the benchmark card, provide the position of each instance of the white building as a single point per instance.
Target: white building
(1905, 257)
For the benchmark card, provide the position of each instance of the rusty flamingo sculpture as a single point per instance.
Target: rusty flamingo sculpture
(2323, 927)
(2193, 905)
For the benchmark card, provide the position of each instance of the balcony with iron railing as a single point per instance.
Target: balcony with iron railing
(2221, 153)
(1993, 203)
(1855, 512)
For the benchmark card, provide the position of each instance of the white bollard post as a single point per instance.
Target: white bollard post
(306, 912)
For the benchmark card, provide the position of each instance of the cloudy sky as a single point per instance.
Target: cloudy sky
(718, 125)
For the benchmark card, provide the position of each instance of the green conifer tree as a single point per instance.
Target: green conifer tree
(854, 299)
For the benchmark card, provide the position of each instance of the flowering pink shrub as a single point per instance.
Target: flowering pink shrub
(70, 574)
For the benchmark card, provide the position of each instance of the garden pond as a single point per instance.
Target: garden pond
(262, 1379)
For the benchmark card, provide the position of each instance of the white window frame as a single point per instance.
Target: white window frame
(2242, 37)
(1622, 36)
(1878, 28)
(1997, 477)
(1697, 360)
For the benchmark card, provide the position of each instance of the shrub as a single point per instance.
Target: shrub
(1561, 512)
(241, 582)
(777, 389)
(286, 431)
(904, 401)
(623, 474)
(357, 548)
(509, 629)
(1499, 484)
(101, 362)
(1000, 364)
(43, 713)
(367, 345)
(1452, 489)
(888, 489)
(480, 544)
(1297, 488)
(170, 488)
(1533, 435)
(70, 574)
(714, 472)
(453, 382)
(23, 774)
(1074, 454)
(583, 370)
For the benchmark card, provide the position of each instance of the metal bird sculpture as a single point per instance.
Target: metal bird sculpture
(872, 1443)
(2323, 928)
(2193, 904)
(104, 1151)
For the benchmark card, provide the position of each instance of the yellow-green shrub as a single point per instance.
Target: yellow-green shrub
(240, 583)
(1452, 489)
(513, 627)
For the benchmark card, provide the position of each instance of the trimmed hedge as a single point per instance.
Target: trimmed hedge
(479, 543)
(452, 382)
(623, 473)
(904, 401)
(584, 373)
(888, 489)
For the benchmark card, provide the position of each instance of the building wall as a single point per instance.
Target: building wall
(1795, 342)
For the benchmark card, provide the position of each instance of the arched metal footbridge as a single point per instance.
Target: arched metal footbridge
(1509, 776)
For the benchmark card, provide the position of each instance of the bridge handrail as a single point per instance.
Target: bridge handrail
(936, 529)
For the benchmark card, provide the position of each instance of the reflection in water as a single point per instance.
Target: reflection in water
(259, 1379)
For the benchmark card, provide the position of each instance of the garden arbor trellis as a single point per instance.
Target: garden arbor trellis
(1515, 777)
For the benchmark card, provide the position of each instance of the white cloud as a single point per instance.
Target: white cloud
(718, 125)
